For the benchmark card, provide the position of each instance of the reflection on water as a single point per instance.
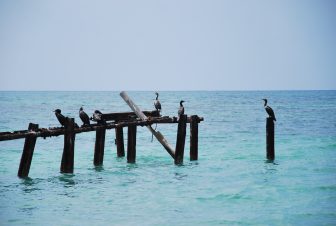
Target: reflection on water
(180, 176)
(29, 185)
(99, 168)
(67, 179)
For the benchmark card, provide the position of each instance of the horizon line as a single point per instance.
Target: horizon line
(196, 90)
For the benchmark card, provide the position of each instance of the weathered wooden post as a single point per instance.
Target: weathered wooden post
(270, 139)
(194, 138)
(120, 141)
(67, 164)
(180, 140)
(28, 151)
(131, 144)
(99, 147)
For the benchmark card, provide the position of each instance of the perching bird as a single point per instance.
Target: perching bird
(60, 117)
(84, 117)
(157, 103)
(181, 109)
(269, 110)
(97, 116)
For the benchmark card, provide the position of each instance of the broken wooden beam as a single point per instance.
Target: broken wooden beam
(122, 116)
(143, 117)
(67, 164)
(180, 139)
(27, 153)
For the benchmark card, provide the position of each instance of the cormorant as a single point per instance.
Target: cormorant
(269, 110)
(61, 118)
(84, 117)
(97, 116)
(157, 103)
(181, 109)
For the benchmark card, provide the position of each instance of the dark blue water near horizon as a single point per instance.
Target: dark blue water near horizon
(230, 184)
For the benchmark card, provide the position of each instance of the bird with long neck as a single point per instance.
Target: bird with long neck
(84, 117)
(181, 109)
(269, 110)
(61, 118)
(157, 103)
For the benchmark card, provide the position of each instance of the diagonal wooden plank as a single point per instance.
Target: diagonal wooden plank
(142, 116)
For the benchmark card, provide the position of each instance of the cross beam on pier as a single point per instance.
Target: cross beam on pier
(57, 131)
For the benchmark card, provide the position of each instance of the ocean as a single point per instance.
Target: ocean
(230, 184)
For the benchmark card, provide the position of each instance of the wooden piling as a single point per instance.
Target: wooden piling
(194, 138)
(180, 140)
(28, 151)
(131, 144)
(99, 147)
(270, 139)
(67, 164)
(120, 141)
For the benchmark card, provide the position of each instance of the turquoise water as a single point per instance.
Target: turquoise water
(230, 184)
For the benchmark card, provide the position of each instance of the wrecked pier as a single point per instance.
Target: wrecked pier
(117, 121)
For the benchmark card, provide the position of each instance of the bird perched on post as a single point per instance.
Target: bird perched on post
(84, 117)
(181, 109)
(269, 110)
(61, 118)
(157, 103)
(97, 116)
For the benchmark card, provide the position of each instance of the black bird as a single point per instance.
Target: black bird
(84, 117)
(181, 109)
(97, 116)
(61, 118)
(157, 103)
(269, 110)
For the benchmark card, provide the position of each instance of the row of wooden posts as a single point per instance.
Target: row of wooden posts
(70, 130)
(67, 163)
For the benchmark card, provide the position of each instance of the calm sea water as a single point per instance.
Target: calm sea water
(230, 184)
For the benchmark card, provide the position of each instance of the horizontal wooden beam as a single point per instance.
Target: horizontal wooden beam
(122, 116)
(57, 131)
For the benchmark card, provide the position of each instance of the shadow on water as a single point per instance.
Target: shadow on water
(271, 162)
(29, 185)
(99, 168)
(67, 179)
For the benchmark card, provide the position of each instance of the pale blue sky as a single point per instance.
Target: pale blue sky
(167, 45)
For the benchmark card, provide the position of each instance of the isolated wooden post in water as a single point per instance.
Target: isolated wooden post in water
(120, 141)
(180, 140)
(270, 139)
(131, 144)
(194, 138)
(28, 151)
(67, 164)
(99, 147)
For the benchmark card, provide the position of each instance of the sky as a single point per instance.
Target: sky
(167, 45)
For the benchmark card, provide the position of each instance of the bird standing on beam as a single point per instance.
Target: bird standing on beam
(181, 109)
(61, 118)
(269, 110)
(84, 117)
(157, 103)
